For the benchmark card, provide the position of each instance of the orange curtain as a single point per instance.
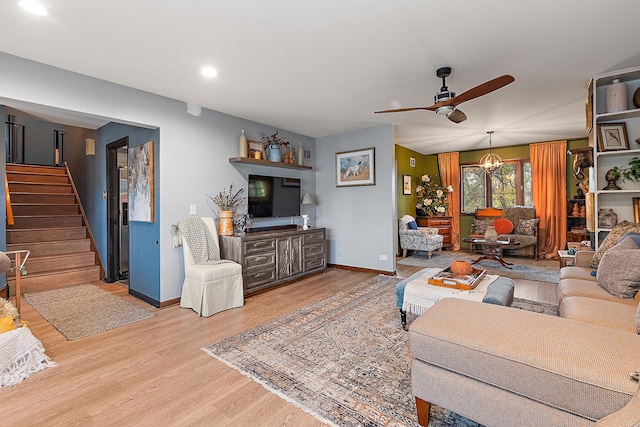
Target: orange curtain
(449, 165)
(549, 174)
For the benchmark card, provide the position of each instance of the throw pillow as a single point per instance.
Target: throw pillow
(634, 236)
(7, 324)
(527, 227)
(619, 270)
(412, 225)
(480, 225)
(612, 239)
(503, 226)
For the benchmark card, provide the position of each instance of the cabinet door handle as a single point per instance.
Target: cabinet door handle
(257, 275)
(262, 243)
(261, 258)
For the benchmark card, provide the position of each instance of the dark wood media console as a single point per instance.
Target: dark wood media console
(269, 258)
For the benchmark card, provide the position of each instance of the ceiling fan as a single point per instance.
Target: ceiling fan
(447, 101)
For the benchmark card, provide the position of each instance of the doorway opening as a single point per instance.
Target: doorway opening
(117, 212)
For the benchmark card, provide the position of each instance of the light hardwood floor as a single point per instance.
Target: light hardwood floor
(153, 372)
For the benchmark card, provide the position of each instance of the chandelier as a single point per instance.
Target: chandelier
(490, 162)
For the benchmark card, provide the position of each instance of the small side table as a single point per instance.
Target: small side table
(566, 259)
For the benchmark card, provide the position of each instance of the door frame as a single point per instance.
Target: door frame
(113, 210)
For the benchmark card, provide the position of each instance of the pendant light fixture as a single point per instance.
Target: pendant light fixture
(490, 162)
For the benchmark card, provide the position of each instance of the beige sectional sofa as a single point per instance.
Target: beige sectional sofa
(501, 366)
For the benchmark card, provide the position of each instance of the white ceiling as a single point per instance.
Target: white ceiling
(321, 68)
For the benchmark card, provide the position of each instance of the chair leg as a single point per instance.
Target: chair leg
(404, 253)
(403, 319)
(423, 411)
(429, 252)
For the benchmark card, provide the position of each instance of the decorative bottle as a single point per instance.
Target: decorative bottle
(616, 96)
(300, 155)
(243, 148)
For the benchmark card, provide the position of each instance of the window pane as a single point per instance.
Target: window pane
(473, 189)
(503, 186)
(527, 184)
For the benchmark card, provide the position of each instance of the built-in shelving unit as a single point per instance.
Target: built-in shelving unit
(618, 200)
(262, 162)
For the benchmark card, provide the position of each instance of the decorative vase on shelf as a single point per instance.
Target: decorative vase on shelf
(300, 155)
(274, 153)
(226, 223)
(616, 96)
(611, 178)
(243, 148)
(491, 235)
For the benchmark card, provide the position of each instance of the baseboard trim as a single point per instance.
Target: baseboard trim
(361, 269)
(169, 302)
(144, 298)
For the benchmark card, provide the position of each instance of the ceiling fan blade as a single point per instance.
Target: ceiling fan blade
(457, 116)
(400, 110)
(482, 89)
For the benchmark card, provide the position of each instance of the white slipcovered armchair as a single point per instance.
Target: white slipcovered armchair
(210, 284)
(420, 239)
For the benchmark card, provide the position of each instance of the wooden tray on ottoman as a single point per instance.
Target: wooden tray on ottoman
(447, 279)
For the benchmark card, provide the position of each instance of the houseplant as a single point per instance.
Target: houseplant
(227, 202)
(432, 197)
(630, 171)
(274, 142)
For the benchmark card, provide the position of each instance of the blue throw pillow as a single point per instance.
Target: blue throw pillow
(633, 236)
(412, 225)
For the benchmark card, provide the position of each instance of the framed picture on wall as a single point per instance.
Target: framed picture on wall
(355, 167)
(406, 185)
(612, 136)
(140, 183)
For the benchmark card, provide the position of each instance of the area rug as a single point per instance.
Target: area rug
(542, 270)
(344, 359)
(83, 310)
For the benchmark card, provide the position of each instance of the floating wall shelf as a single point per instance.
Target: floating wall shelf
(262, 162)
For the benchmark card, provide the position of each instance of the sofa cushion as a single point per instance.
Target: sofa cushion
(577, 273)
(480, 225)
(503, 226)
(598, 312)
(588, 289)
(547, 359)
(612, 239)
(527, 227)
(619, 269)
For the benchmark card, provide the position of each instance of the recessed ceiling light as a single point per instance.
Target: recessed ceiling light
(34, 7)
(209, 72)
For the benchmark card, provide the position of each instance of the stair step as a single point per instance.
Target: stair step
(21, 209)
(52, 248)
(52, 170)
(36, 187)
(27, 235)
(60, 262)
(38, 221)
(55, 279)
(37, 177)
(43, 198)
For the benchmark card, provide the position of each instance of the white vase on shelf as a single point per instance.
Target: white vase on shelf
(300, 155)
(616, 96)
(243, 148)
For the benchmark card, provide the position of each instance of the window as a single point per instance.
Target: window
(510, 185)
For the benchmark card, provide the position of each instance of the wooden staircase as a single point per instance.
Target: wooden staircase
(49, 221)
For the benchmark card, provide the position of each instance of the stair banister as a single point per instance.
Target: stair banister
(8, 201)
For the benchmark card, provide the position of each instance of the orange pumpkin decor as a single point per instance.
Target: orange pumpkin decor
(461, 268)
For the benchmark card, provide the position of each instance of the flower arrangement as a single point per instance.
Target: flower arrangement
(432, 198)
(274, 139)
(228, 200)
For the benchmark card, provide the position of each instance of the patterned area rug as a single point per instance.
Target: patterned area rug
(543, 270)
(83, 310)
(344, 359)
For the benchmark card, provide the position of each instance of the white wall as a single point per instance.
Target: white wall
(359, 220)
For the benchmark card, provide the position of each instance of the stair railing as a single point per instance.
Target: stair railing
(92, 241)
(8, 200)
(20, 271)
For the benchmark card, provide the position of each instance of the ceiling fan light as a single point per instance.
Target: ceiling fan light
(445, 109)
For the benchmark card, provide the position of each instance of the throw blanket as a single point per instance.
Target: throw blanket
(21, 354)
(196, 234)
(419, 295)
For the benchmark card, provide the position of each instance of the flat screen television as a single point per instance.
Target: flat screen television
(272, 196)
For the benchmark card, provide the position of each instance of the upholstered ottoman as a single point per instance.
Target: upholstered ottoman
(499, 292)
(506, 367)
